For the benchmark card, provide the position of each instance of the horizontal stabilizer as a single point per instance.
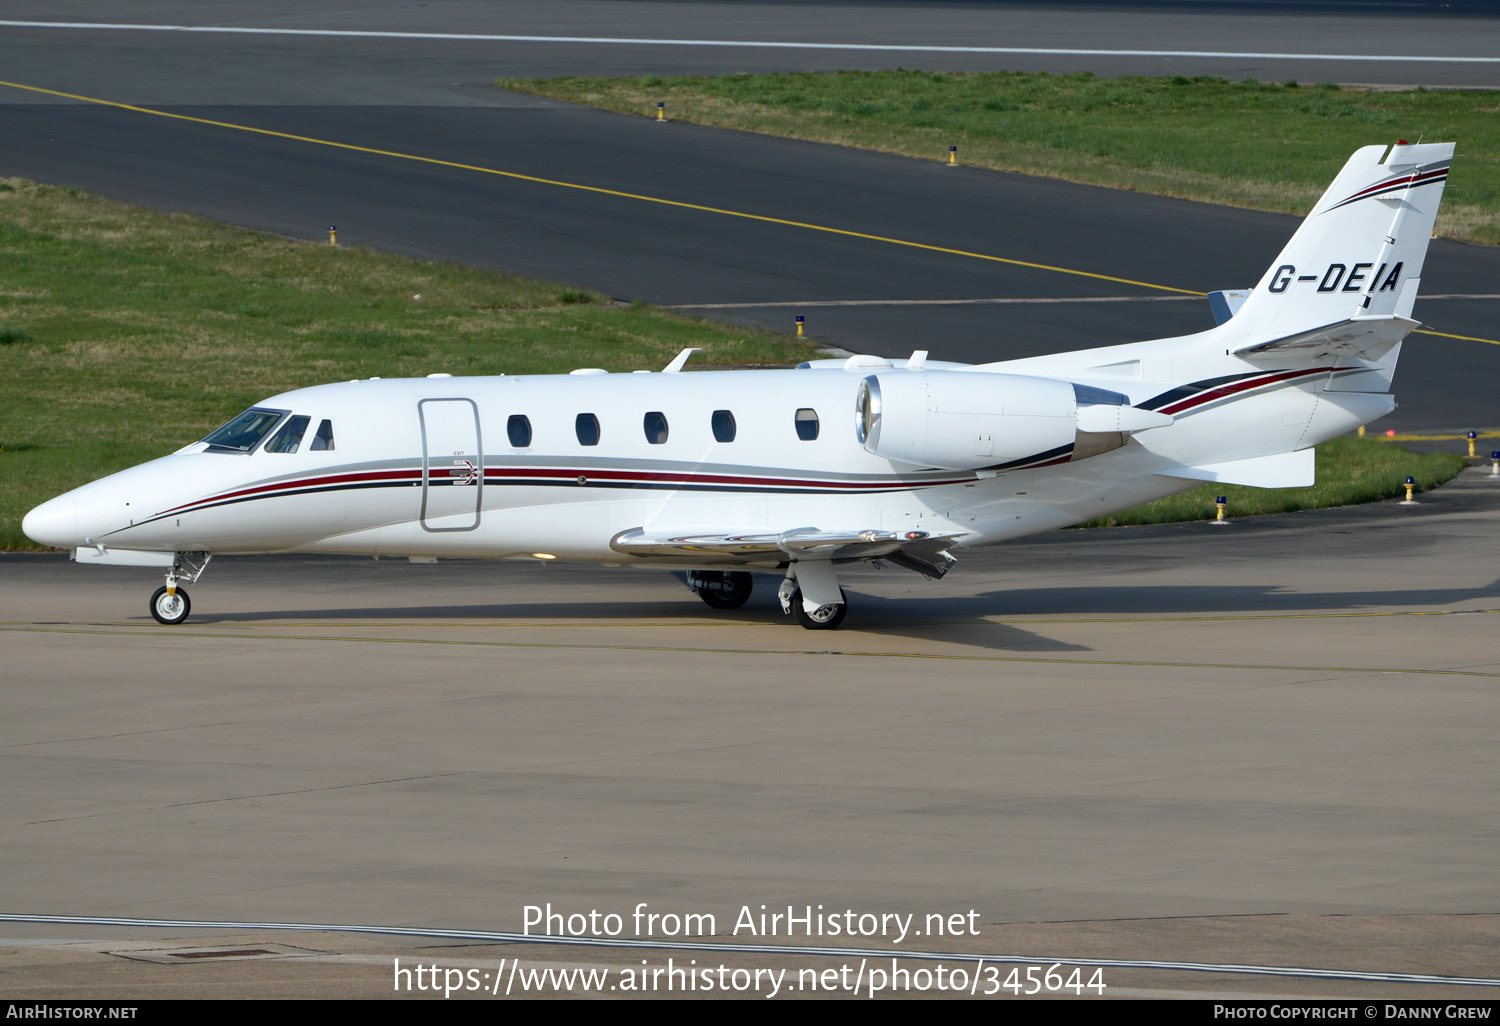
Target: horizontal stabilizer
(799, 543)
(1365, 338)
(1283, 470)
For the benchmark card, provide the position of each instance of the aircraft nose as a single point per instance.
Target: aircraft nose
(54, 522)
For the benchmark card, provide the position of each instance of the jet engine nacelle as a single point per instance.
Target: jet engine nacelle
(963, 420)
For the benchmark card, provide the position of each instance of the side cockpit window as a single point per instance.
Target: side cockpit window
(323, 440)
(290, 435)
(243, 433)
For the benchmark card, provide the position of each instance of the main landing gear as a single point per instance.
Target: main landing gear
(826, 617)
(169, 603)
(810, 592)
(721, 589)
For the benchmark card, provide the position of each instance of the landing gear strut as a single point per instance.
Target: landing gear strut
(721, 589)
(169, 603)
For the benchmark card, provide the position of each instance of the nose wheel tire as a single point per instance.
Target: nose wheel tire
(725, 590)
(170, 609)
(824, 618)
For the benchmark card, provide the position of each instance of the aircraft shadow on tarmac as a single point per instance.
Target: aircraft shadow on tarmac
(1148, 600)
(922, 619)
(925, 618)
(932, 618)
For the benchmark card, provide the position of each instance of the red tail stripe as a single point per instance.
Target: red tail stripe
(1235, 387)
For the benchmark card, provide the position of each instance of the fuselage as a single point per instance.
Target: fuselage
(558, 466)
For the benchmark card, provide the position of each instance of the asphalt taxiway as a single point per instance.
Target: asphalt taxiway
(404, 144)
(1288, 718)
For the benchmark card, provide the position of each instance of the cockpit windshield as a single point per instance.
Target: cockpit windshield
(244, 432)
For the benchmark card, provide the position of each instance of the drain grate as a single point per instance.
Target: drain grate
(242, 953)
(226, 953)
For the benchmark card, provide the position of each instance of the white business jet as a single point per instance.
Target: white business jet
(797, 472)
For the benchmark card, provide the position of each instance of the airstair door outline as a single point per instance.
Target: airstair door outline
(452, 464)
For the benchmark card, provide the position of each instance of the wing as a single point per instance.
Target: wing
(915, 550)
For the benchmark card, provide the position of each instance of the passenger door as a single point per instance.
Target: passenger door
(452, 464)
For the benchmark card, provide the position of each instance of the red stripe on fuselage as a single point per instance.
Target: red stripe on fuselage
(299, 483)
(1235, 387)
(557, 474)
(672, 477)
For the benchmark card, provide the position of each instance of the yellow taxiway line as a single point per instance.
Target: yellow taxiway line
(679, 204)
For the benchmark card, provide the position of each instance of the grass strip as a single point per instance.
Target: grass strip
(1262, 145)
(126, 333)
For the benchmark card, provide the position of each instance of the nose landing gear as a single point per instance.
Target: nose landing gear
(169, 603)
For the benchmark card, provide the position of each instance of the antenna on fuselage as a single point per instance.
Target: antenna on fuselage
(678, 360)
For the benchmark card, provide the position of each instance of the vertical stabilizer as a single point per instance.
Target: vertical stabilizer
(1358, 255)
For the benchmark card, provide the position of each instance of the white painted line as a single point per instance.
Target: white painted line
(667, 944)
(752, 43)
(823, 303)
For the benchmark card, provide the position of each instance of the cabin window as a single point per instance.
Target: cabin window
(723, 422)
(807, 424)
(518, 427)
(289, 437)
(323, 440)
(244, 432)
(587, 426)
(655, 425)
